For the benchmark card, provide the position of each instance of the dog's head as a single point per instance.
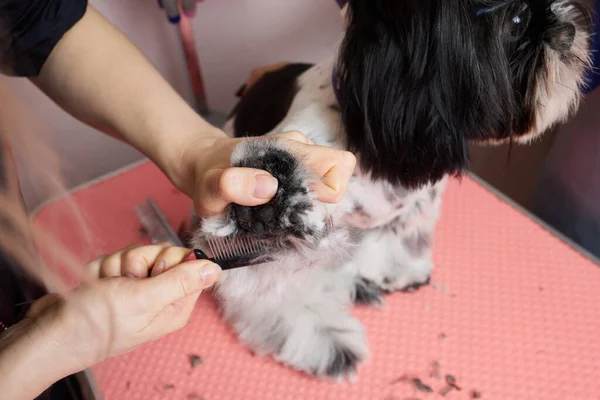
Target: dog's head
(420, 78)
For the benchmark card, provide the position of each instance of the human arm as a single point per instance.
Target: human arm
(101, 78)
(97, 75)
(110, 315)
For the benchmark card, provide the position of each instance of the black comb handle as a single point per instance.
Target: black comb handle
(224, 264)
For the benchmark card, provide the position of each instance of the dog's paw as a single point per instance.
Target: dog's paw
(320, 339)
(332, 349)
(367, 292)
(293, 211)
(408, 277)
(392, 263)
(387, 275)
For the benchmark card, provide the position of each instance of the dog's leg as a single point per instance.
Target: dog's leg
(297, 315)
(292, 307)
(389, 263)
(293, 212)
(397, 256)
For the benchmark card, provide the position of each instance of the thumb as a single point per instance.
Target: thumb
(185, 279)
(42, 304)
(243, 186)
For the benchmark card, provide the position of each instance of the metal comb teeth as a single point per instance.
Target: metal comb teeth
(230, 248)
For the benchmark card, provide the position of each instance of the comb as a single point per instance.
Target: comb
(228, 252)
(237, 251)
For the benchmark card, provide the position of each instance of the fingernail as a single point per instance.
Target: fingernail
(190, 13)
(130, 275)
(210, 273)
(158, 267)
(265, 186)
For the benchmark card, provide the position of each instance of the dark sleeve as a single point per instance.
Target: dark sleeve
(29, 30)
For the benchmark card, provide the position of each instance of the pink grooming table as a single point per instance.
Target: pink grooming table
(512, 313)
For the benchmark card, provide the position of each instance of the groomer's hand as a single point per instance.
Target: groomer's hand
(200, 166)
(213, 183)
(136, 295)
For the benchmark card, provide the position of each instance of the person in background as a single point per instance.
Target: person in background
(140, 293)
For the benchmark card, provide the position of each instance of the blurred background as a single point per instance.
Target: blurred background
(556, 178)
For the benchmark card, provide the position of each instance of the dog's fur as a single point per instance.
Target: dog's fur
(417, 80)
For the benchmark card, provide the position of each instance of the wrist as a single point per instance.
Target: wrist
(29, 348)
(190, 154)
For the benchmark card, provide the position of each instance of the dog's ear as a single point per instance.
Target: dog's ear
(408, 79)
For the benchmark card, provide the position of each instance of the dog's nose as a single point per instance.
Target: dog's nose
(562, 36)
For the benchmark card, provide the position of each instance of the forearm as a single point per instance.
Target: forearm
(96, 74)
(30, 362)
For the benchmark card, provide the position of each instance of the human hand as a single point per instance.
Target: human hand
(202, 169)
(213, 184)
(122, 308)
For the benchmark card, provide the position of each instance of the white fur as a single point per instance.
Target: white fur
(295, 307)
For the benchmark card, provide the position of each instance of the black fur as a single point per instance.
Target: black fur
(367, 292)
(416, 286)
(280, 216)
(418, 78)
(345, 361)
(267, 102)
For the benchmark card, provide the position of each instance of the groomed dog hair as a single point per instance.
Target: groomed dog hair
(419, 78)
(412, 83)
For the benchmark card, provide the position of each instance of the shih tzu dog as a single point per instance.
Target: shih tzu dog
(411, 83)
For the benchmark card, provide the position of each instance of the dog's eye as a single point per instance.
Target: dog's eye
(517, 23)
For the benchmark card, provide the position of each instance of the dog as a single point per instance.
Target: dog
(411, 83)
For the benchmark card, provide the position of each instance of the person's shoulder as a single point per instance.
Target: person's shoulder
(30, 29)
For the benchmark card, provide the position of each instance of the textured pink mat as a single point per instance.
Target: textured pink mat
(512, 314)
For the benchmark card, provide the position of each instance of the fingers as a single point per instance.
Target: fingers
(136, 261)
(334, 181)
(107, 265)
(243, 186)
(219, 187)
(294, 135)
(186, 279)
(168, 258)
(334, 167)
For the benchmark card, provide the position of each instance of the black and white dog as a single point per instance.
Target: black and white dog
(411, 83)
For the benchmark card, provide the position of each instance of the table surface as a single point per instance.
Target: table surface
(512, 312)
